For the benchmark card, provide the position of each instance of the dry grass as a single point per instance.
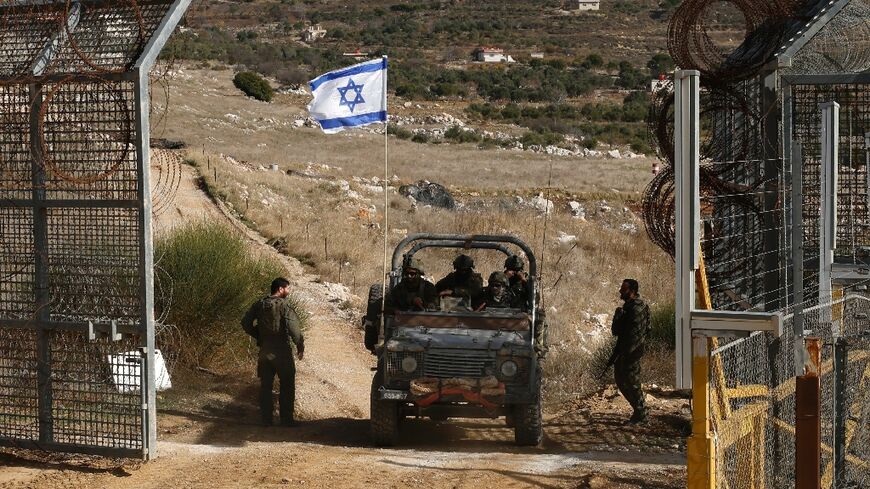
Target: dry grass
(318, 223)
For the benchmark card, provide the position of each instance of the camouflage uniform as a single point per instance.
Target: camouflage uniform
(468, 287)
(631, 326)
(495, 297)
(402, 297)
(521, 290)
(276, 327)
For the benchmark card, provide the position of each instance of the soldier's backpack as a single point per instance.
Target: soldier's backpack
(269, 319)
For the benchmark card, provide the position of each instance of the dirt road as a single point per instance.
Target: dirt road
(209, 437)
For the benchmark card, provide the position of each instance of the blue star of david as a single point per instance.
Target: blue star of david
(358, 99)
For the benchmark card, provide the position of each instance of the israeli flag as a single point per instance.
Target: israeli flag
(350, 97)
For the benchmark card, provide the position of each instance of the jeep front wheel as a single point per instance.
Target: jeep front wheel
(528, 426)
(383, 418)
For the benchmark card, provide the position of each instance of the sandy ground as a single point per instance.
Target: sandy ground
(209, 437)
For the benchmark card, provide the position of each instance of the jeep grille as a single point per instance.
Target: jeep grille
(445, 364)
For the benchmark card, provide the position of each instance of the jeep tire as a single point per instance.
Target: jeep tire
(528, 425)
(384, 417)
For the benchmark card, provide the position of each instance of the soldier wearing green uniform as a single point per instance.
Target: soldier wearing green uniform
(520, 287)
(276, 327)
(463, 282)
(497, 294)
(631, 326)
(413, 292)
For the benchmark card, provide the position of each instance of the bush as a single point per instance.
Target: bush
(254, 85)
(399, 132)
(662, 317)
(420, 137)
(458, 135)
(206, 278)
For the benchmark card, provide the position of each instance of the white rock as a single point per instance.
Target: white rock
(344, 185)
(584, 315)
(577, 210)
(541, 204)
(628, 227)
(408, 105)
(233, 117)
(565, 239)
(614, 154)
(299, 123)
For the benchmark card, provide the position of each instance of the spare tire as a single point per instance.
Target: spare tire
(372, 319)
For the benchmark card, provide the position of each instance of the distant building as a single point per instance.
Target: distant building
(587, 5)
(537, 55)
(313, 33)
(492, 55)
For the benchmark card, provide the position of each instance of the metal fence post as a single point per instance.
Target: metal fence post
(42, 293)
(841, 410)
(686, 176)
(797, 251)
(828, 222)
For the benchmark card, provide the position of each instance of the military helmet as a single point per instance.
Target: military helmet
(462, 262)
(498, 277)
(514, 262)
(416, 264)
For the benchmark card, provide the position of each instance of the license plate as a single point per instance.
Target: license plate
(388, 395)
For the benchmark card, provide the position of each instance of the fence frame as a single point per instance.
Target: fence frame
(138, 75)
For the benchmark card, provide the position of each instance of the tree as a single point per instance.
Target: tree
(660, 63)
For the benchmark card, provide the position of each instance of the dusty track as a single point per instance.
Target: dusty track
(209, 437)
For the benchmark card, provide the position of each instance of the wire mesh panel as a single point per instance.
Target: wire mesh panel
(76, 334)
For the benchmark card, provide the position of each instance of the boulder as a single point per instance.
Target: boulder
(429, 193)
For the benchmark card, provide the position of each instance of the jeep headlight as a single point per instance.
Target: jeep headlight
(509, 368)
(409, 364)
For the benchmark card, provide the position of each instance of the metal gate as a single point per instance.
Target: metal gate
(76, 291)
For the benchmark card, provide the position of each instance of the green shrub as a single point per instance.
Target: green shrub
(420, 137)
(206, 278)
(399, 132)
(662, 317)
(254, 85)
(458, 135)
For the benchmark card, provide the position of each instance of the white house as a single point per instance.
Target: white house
(313, 33)
(587, 5)
(493, 55)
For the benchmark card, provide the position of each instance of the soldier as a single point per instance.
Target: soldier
(518, 281)
(276, 327)
(413, 292)
(463, 282)
(631, 326)
(497, 294)
(520, 287)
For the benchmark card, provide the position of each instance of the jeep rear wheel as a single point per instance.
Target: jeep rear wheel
(528, 426)
(383, 418)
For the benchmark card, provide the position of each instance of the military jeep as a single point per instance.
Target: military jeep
(454, 363)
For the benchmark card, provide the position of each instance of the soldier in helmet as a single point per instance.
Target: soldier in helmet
(463, 282)
(521, 289)
(413, 292)
(497, 294)
(631, 326)
(276, 327)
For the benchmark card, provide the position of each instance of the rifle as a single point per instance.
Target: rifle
(614, 355)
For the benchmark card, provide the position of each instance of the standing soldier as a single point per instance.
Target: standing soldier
(631, 326)
(276, 327)
(518, 282)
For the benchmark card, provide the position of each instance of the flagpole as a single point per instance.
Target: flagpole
(386, 191)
